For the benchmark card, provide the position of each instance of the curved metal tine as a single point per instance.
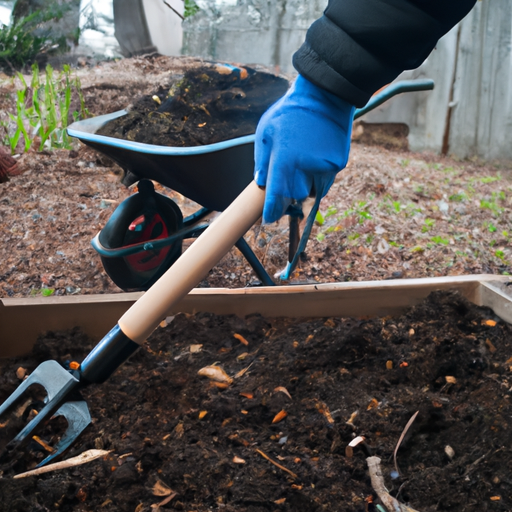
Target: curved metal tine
(285, 275)
(79, 418)
(50, 374)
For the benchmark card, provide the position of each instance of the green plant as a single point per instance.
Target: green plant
(427, 225)
(491, 227)
(500, 255)
(397, 207)
(440, 240)
(320, 218)
(492, 203)
(45, 292)
(191, 8)
(28, 37)
(43, 110)
(459, 198)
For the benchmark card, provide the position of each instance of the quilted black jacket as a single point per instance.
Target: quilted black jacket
(358, 46)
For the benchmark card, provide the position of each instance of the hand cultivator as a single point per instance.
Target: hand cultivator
(140, 249)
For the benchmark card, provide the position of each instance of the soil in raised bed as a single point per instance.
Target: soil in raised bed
(210, 103)
(178, 438)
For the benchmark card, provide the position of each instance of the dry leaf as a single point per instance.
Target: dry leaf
(280, 416)
(160, 489)
(280, 501)
(215, 373)
(83, 458)
(241, 339)
(282, 389)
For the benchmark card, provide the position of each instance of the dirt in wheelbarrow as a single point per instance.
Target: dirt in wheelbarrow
(210, 103)
(274, 433)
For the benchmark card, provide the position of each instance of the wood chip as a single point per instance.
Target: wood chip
(450, 380)
(378, 485)
(160, 489)
(490, 346)
(282, 389)
(238, 460)
(374, 403)
(241, 339)
(202, 414)
(21, 373)
(194, 349)
(83, 458)
(280, 416)
(265, 456)
(349, 450)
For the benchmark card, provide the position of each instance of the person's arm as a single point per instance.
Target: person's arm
(358, 46)
(353, 50)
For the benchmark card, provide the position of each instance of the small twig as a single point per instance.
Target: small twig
(174, 10)
(84, 457)
(409, 423)
(392, 504)
(265, 456)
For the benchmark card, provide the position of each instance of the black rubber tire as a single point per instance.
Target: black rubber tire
(125, 272)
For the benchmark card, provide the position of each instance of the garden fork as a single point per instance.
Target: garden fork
(133, 328)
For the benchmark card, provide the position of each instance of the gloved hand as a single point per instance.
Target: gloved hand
(302, 142)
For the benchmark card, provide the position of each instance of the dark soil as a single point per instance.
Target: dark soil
(167, 426)
(211, 103)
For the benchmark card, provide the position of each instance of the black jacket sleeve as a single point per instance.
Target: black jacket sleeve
(358, 46)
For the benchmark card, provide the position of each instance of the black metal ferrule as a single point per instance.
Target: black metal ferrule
(104, 359)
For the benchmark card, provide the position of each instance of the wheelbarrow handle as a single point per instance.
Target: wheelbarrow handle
(211, 246)
(392, 90)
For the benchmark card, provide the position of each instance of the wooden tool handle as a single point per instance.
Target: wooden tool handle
(193, 265)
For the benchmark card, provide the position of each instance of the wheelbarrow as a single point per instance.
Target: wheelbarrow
(144, 236)
(190, 172)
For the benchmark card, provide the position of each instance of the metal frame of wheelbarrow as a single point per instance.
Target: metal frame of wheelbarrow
(212, 175)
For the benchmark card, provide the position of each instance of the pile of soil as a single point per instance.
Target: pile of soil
(275, 439)
(210, 103)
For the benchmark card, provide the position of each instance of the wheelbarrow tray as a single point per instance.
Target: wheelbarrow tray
(212, 175)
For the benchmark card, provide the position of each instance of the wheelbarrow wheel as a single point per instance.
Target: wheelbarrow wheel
(143, 217)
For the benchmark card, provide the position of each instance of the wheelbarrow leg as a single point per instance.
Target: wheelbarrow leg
(255, 263)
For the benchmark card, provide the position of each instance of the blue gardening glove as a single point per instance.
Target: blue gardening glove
(302, 142)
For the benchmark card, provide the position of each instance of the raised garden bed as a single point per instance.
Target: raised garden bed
(177, 436)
